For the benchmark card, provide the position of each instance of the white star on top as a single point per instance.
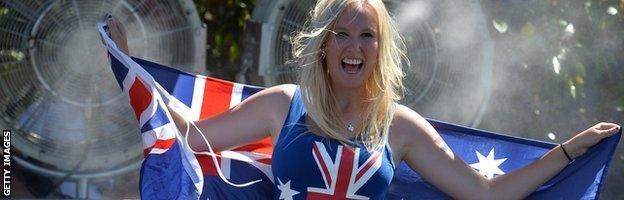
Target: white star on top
(488, 166)
(285, 192)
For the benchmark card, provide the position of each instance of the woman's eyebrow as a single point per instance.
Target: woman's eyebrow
(342, 29)
(369, 29)
(336, 29)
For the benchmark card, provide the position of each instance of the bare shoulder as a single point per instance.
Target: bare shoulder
(408, 122)
(271, 105)
(263, 113)
(278, 94)
(272, 101)
(409, 129)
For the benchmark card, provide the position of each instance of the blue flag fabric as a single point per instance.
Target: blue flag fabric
(172, 171)
(581, 179)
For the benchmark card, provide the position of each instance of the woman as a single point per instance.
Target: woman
(344, 108)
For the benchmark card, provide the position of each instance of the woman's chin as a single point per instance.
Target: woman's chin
(348, 83)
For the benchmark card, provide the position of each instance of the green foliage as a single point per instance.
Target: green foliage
(562, 62)
(225, 20)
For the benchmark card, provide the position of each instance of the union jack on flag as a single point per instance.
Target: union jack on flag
(337, 175)
(171, 170)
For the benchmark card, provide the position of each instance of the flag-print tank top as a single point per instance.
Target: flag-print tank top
(308, 166)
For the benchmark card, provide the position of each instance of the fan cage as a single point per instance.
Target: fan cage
(57, 89)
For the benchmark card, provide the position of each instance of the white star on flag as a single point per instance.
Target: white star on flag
(285, 192)
(488, 166)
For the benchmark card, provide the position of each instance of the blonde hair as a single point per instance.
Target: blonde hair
(384, 86)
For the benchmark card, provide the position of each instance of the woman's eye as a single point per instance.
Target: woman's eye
(368, 35)
(341, 34)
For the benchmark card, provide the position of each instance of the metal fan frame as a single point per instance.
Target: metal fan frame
(132, 164)
(34, 63)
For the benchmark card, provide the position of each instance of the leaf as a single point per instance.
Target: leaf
(218, 40)
(580, 68)
(234, 52)
(527, 29)
(500, 27)
(572, 89)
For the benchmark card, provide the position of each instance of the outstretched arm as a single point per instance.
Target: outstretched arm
(524, 181)
(258, 116)
(422, 148)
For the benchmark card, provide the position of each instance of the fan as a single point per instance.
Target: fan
(57, 92)
(448, 45)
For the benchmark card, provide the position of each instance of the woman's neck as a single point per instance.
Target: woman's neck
(350, 104)
(349, 100)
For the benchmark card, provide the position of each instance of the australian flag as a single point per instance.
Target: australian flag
(171, 170)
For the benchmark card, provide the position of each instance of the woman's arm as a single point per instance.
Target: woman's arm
(424, 150)
(117, 32)
(256, 117)
(549, 165)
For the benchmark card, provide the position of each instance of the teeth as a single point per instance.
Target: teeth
(352, 61)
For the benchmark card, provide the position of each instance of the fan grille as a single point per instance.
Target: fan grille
(56, 85)
(292, 22)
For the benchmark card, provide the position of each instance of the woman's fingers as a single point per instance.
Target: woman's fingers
(605, 126)
(105, 20)
(604, 129)
(117, 32)
(610, 131)
(590, 137)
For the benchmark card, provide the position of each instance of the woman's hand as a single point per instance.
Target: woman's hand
(179, 120)
(117, 32)
(580, 143)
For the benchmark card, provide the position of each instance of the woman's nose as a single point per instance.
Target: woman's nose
(352, 44)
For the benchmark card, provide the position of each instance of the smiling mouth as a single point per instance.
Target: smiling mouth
(352, 66)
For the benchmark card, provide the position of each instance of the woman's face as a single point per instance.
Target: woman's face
(351, 52)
